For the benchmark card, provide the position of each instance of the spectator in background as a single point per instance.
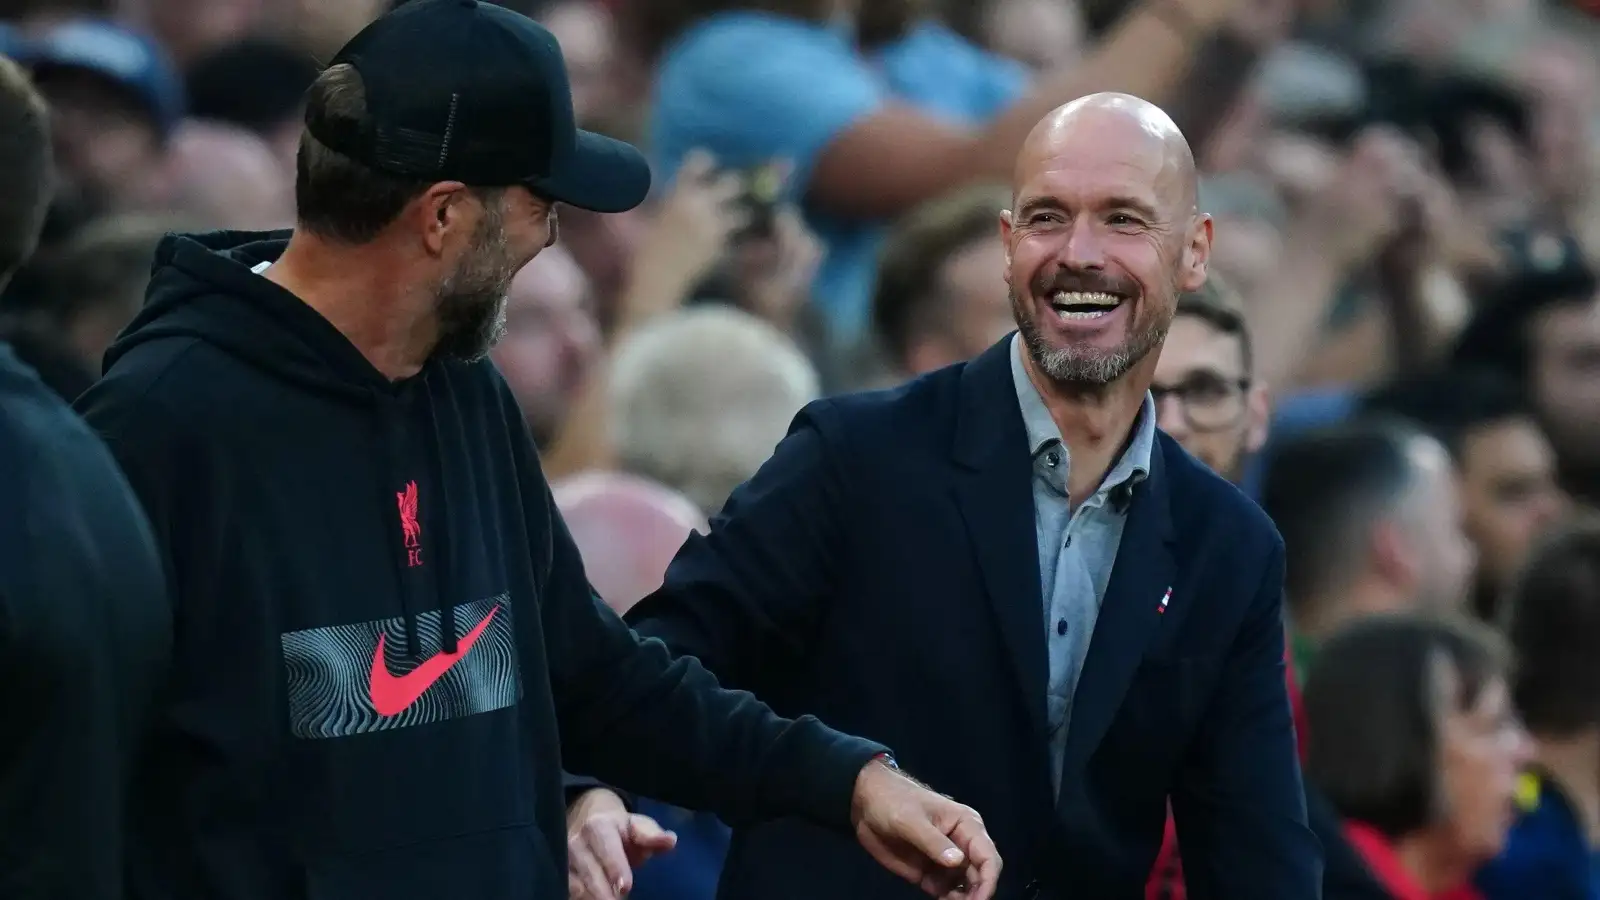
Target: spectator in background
(1413, 742)
(938, 299)
(85, 623)
(1370, 515)
(228, 178)
(89, 289)
(552, 345)
(1554, 624)
(882, 118)
(587, 34)
(1506, 466)
(258, 84)
(627, 530)
(1540, 327)
(115, 99)
(1205, 395)
(701, 398)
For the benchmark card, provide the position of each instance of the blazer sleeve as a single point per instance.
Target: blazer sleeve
(1239, 803)
(631, 714)
(747, 599)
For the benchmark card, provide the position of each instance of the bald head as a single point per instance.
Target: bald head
(1102, 237)
(1121, 126)
(627, 530)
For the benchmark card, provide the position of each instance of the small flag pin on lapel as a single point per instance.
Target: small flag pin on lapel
(1165, 599)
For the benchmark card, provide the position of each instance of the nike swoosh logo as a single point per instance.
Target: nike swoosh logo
(392, 694)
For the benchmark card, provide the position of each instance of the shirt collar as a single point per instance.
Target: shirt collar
(1133, 465)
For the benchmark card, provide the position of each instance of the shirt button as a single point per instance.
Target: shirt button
(1061, 626)
(1052, 459)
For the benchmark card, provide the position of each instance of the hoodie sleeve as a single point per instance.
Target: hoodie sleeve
(632, 715)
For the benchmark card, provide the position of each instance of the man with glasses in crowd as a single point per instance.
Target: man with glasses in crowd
(1206, 397)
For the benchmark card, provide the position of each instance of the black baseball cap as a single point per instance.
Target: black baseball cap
(459, 90)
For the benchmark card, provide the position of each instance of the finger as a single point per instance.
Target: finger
(983, 858)
(606, 843)
(919, 831)
(646, 839)
(697, 166)
(726, 187)
(582, 865)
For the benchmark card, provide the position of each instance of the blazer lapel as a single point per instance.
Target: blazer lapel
(1130, 614)
(995, 493)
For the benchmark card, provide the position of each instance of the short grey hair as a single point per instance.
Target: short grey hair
(700, 398)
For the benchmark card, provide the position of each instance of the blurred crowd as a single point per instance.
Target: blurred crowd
(1398, 353)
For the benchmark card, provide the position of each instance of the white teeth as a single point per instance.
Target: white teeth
(1088, 314)
(1084, 298)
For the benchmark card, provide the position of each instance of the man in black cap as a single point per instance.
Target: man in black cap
(387, 646)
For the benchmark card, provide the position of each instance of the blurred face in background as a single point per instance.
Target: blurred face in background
(975, 310)
(1204, 399)
(1509, 494)
(1436, 558)
(1566, 379)
(1482, 750)
(551, 343)
(108, 148)
(588, 41)
(190, 28)
(1246, 252)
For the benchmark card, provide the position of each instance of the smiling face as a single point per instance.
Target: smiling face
(1102, 237)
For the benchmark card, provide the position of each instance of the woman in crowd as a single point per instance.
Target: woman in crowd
(1413, 744)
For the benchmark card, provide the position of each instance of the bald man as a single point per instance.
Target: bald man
(627, 529)
(1004, 570)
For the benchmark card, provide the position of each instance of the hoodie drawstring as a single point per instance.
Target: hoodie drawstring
(441, 513)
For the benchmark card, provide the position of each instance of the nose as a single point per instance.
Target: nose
(1084, 248)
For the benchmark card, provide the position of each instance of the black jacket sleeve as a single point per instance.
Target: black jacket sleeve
(632, 715)
(747, 599)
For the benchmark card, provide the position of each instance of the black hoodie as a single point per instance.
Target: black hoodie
(386, 644)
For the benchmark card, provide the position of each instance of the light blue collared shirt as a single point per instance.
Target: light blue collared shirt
(1077, 549)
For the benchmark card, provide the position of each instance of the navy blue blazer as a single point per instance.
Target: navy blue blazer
(881, 573)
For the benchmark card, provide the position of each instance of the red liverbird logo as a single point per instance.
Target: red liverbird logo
(412, 529)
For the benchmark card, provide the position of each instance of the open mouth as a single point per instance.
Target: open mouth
(1083, 304)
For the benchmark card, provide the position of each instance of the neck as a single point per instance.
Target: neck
(1574, 763)
(1322, 615)
(1434, 868)
(1093, 417)
(361, 291)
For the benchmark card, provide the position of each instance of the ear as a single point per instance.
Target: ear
(441, 211)
(1006, 229)
(1196, 255)
(1392, 556)
(1258, 417)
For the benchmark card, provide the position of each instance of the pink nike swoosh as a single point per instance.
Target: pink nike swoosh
(392, 694)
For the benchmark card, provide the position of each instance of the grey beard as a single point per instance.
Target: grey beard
(1086, 368)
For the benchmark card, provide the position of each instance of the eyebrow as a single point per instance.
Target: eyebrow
(1131, 204)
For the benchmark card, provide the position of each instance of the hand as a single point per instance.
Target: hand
(775, 275)
(605, 843)
(691, 230)
(1360, 210)
(925, 838)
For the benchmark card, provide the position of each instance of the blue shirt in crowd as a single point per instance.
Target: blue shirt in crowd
(754, 88)
(1547, 854)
